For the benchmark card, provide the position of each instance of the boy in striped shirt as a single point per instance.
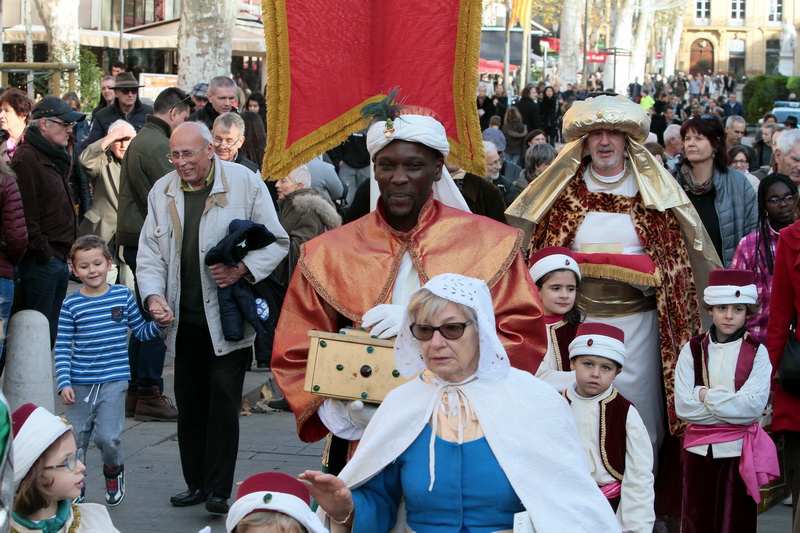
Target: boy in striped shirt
(91, 358)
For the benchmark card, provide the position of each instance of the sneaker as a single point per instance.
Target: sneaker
(115, 484)
(787, 500)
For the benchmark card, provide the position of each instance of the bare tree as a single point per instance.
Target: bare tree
(623, 39)
(60, 20)
(674, 39)
(205, 36)
(569, 58)
(641, 40)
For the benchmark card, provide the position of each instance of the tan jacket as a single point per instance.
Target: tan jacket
(103, 169)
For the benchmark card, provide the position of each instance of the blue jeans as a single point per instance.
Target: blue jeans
(44, 286)
(146, 358)
(6, 300)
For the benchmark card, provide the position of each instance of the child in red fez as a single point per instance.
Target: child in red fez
(722, 384)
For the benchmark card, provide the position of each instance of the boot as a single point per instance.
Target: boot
(131, 397)
(154, 406)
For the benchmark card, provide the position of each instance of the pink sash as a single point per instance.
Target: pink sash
(759, 462)
(612, 490)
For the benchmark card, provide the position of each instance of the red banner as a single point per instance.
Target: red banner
(328, 58)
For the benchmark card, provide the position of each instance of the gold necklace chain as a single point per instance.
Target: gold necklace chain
(601, 183)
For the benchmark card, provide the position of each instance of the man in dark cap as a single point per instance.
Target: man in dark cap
(42, 166)
(127, 107)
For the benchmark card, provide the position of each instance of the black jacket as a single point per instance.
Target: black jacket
(207, 115)
(236, 303)
(109, 115)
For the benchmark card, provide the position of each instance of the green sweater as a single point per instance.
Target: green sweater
(145, 163)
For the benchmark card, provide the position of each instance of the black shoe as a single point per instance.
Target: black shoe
(279, 404)
(217, 504)
(188, 498)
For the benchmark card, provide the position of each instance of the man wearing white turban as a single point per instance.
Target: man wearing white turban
(364, 273)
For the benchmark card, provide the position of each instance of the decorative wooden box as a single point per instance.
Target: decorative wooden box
(351, 365)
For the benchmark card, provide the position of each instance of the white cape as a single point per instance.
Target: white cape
(529, 428)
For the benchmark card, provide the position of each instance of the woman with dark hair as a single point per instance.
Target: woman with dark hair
(548, 106)
(256, 103)
(722, 196)
(739, 159)
(777, 199)
(15, 110)
(81, 129)
(515, 132)
(535, 137)
(255, 139)
(500, 101)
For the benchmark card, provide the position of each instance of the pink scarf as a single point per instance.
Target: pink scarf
(612, 490)
(759, 462)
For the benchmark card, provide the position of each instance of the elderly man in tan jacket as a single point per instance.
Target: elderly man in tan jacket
(102, 161)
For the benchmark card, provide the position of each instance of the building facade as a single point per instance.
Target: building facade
(742, 37)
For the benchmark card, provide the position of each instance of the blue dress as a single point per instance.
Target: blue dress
(471, 493)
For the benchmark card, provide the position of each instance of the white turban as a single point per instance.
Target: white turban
(417, 129)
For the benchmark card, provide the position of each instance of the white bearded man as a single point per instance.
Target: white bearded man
(640, 243)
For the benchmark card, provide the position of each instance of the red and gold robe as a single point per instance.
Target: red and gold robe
(660, 235)
(345, 272)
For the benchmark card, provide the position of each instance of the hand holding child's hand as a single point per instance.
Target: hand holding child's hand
(160, 311)
(702, 394)
(67, 396)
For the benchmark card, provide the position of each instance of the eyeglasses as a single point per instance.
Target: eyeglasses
(740, 162)
(174, 157)
(222, 144)
(127, 90)
(498, 163)
(450, 331)
(65, 124)
(776, 200)
(70, 464)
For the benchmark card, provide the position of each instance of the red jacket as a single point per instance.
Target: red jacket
(13, 232)
(784, 307)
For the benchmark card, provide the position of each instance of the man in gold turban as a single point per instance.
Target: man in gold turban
(639, 241)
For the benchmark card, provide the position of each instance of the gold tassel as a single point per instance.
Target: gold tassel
(618, 273)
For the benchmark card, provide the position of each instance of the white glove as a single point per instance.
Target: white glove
(344, 419)
(386, 318)
(360, 414)
(206, 529)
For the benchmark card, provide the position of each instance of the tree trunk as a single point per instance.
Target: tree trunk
(623, 38)
(569, 58)
(205, 35)
(641, 41)
(60, 20)
(673, 43)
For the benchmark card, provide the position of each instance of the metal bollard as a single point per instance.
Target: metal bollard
(28, 376)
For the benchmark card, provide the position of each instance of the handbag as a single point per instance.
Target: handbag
(789, 367)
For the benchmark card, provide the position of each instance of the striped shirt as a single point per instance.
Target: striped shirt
(91, 346)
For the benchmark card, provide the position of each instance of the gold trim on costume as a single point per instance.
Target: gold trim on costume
(603, 432)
